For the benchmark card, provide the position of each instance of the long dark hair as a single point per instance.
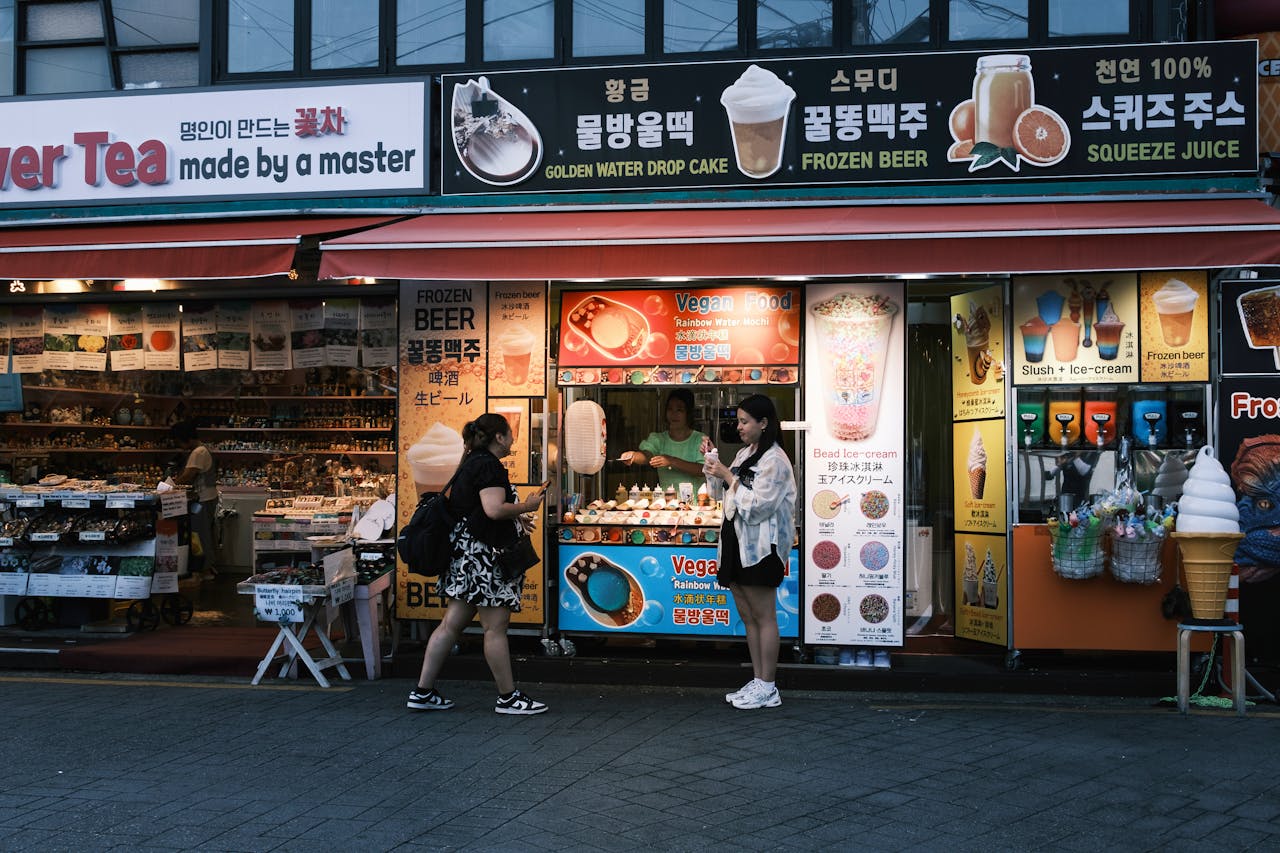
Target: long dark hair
(761, 408)
(480, 433)
(684, 395)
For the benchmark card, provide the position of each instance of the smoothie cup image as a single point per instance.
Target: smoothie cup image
(516, 346)
(1049, 304)
(1066, 340)
(1034, 332)
(1175, 306)
(513, 415)
(434, 457)
(1260, 315)
(757, 104)
(1109, 329)
(853, 335)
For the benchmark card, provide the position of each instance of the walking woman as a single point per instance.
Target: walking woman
(490, 517)
(759, 497)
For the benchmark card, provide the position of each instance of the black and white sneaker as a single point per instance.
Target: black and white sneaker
(428, 700)
(519, 703)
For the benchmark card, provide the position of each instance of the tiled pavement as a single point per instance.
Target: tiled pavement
(97, 763)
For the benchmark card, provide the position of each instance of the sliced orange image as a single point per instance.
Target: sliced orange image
(960, 151)
(1040, 136)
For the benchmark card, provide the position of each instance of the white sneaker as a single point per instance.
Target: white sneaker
(758, 697)
(741, 691)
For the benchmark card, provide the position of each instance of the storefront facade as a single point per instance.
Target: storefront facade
(956, 193)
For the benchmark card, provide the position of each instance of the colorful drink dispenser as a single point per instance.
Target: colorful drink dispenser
(1101, 426)
(1150, 420)
(1186, 418)
(1031, 417)
(1064, 416)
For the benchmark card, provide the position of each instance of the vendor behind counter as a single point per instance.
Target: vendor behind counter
(675, 453)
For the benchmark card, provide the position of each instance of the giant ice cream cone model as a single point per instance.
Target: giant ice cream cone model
(1207, 533)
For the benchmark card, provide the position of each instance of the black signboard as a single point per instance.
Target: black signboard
(1251, 327)
(1155, 109)
(1249, 448)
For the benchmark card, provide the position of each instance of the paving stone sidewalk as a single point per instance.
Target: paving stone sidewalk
(98, 763)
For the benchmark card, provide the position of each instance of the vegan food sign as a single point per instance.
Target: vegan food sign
(1052, 113)
(314, 140)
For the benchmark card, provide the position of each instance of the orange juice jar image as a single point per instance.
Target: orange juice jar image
(1002, 89)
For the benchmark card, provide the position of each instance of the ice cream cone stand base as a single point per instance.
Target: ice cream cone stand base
(1206, 566)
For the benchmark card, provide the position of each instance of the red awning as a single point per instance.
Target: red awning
(241, 248)
(814, 241)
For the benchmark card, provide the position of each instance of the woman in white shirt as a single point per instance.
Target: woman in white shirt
(759, 497)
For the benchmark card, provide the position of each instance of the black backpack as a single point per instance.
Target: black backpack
(424, 544)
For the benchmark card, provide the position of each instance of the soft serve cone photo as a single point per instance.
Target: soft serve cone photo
(1207, 532)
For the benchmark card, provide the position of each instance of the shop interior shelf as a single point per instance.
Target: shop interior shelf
(291, 429)
(71, 425)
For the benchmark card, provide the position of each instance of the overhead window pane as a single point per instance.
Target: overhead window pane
(699, 27)
(890, 22)
(608, 27)
(6, 47)
(1088, 17)
(344, 33)
(144, 22)
(50, 70)
(50, 21)
(976, 20)
(161, 70)
(793, 23)
(259, 36)
(431, 32)
(519, 29)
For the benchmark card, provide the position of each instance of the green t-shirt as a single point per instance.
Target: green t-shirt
(690, 450)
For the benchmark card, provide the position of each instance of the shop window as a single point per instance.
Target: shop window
(705, 27)
(1088, 17)
(344, 34)
(259, 36)
(890, 22)
(67, 69)
(517, 29)
(782, 24)
(160, 69)
(431, 32)
(608, 29)
(6, 47)
(978, 20)
(63, 21)
(142, 23)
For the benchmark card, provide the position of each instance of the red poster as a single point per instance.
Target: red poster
(681, 335)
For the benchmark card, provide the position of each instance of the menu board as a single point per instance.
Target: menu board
(979, 477)
(1075, 330)
(982, 583)
(853, 463)
(1174, 307)
(517, 339)
(977, 354)
(659, 589)
(444, 347)
(679, 336)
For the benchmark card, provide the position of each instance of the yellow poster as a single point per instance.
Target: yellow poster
(1174, 307)
(977, 354)
(1072, 330)
(517, 339)
(982, 584)
(978, 454)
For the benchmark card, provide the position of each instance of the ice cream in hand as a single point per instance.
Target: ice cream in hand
(977, 465)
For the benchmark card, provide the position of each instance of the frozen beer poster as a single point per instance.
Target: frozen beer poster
(853, 463)
(1073, 330)
(1174, 307)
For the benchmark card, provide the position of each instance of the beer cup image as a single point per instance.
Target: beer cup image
(512, 415)
(1260, 316)
(434, 457)
(853, 337)
(1175, 306)
(757, 104)
(516, 346)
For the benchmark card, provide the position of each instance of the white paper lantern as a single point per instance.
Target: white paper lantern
(584, 436)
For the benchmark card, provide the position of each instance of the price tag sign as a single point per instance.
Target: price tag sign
(173, 504)
(370, 556)
(30, 502)
(6, 541)
(121, 503)
(278, 603)
(75, 503)
(93, 535)
(43, 537)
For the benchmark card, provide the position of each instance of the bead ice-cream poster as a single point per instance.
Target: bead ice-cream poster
(853, 463)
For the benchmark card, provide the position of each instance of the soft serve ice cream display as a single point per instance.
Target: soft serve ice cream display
(976, 465)
(434, 457)
(1175, 306)
(1170, 476)
(1207, 532)
(758, 103)
(990, 581)
(970, 574)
